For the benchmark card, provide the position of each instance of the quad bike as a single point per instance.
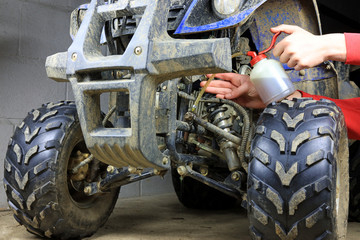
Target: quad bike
(287, 164)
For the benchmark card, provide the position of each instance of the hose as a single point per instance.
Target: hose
(241, 112)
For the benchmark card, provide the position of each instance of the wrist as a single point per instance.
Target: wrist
(334, 47)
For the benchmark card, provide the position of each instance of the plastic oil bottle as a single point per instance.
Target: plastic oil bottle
(269, 77)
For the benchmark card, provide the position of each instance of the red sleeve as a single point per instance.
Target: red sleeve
(351, 110)
(352, 41)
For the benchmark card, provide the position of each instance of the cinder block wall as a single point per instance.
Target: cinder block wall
(30, 30)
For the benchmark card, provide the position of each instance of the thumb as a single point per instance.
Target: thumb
(289, 29)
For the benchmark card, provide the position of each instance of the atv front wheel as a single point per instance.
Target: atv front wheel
(45, 196)
(298, 175)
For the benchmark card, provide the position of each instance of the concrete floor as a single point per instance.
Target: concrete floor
(160, 217)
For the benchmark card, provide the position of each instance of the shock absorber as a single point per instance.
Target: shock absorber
(219, 116)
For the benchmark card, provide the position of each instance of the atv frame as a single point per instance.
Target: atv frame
(149, 81)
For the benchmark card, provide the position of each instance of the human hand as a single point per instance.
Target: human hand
(302, 49)
(237, 87)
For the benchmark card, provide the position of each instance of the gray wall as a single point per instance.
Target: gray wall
(30, 30)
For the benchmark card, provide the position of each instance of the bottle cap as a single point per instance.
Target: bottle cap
(255, 57)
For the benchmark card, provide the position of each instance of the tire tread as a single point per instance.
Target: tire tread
(277, 191)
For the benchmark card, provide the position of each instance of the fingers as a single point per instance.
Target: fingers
(234, 78)
(283, 44)
(218, 90)
(231, 85)
(237, 92)
(218, 83)
(278, 49)
(219, 87)
(224, 76)
(291, 59)
(298, 68)
(289, 29)
(222, 96)
(228, 93)
(284, 57)
(292, 63)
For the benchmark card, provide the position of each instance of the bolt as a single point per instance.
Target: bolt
(74, 57)
(157, 172)
(181, 86)
(119, 74)
(235, 176)
(181, 170)
(204, 171)
(110, 169)
(138, 50)
(164, 88)
(165, 161)
(132, 169)
(87, 190)
(302, 72)
(188, 116)
(328, 66)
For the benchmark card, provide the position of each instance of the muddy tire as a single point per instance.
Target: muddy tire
(298, 174)
(196, 195)
(40, 190)
(354, 171)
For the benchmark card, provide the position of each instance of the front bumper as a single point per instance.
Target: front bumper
(152, 57)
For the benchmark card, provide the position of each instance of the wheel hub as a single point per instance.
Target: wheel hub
(75, 161)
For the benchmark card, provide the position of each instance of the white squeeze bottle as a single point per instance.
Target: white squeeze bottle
(269, 77)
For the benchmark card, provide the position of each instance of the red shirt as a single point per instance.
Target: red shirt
(350, 107)
(352, 41)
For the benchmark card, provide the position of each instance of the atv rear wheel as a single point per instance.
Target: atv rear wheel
(298, 175)
(42, 191)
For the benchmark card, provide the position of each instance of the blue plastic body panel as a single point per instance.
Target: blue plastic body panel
(228, 22)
